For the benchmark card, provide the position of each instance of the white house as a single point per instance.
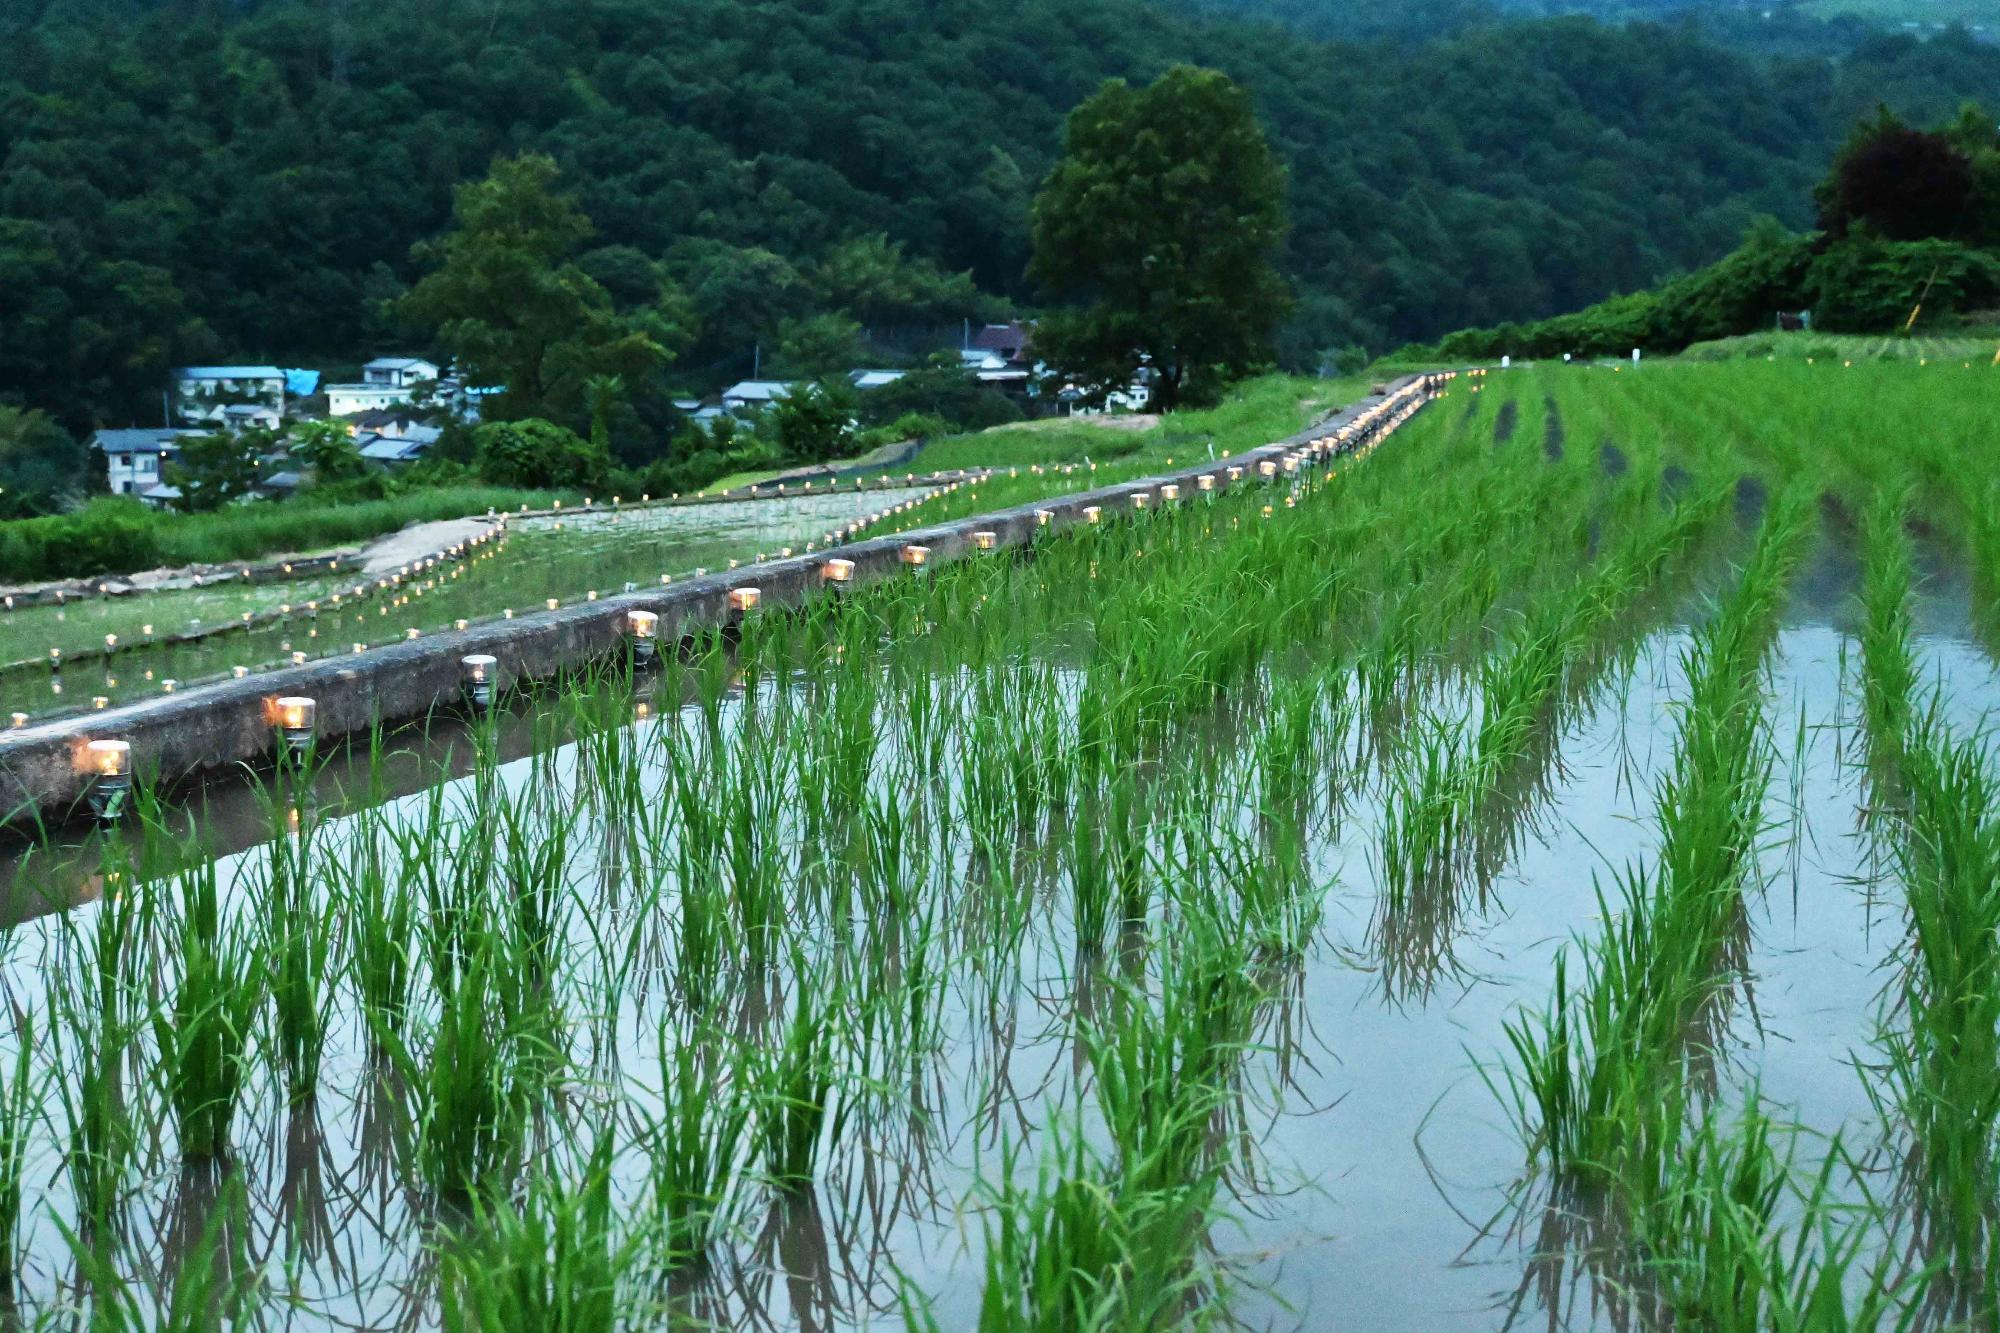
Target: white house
(387, 381)
(230, 395)
(135, 460)
(874, 379)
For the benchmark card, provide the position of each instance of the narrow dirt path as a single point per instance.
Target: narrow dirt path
(417, 541)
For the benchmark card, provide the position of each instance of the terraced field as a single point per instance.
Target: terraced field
(1544, 872)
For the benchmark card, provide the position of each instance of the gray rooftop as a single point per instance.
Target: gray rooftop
(139, 441)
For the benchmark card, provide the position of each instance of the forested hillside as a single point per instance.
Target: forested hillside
(187, 181)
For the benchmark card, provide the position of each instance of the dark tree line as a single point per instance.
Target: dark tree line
(188, 181)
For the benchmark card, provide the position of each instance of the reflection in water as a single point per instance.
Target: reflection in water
(678, 873)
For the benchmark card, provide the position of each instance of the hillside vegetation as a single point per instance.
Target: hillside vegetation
(185, 182)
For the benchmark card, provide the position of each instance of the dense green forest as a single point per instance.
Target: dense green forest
(1908, 239)
(188, 181)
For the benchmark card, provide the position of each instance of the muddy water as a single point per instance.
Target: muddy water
(1385, 1160)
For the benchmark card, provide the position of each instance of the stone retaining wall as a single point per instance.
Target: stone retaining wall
(200, 730)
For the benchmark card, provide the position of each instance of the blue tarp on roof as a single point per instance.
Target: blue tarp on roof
(301, 383)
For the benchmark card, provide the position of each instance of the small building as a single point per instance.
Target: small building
(874, 379)
(387, 381)
(754, 395)
(230, 395)
(392, 422)
(1010, 344)
(135, 460)
(407, 446)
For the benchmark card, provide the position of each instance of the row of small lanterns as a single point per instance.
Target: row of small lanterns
(109, 761)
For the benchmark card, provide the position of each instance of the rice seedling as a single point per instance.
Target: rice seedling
(1942, 1060)
(554, 1257)
(204, 1034)
(1611, 1078)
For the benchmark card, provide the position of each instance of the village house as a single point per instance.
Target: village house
(135, 460)
(231, 396)
(753, 395)
(387, 381)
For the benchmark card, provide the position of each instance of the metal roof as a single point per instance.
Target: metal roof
(139, 441)
(229, 373)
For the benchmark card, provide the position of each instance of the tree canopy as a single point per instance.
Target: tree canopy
(509, 301)
(1158, 234)
(183, 181)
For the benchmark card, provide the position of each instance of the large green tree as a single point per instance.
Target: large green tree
(508, 299)
(1163, 223)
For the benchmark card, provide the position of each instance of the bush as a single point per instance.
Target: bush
(105, 536)
(538, 453)
(119, 536)
(1869, 286)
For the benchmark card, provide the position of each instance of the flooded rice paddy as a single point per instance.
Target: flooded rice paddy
(1158, 929)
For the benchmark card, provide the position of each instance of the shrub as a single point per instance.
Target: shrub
(538, 453)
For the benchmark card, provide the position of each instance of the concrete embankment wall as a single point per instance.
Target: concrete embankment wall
(183, 735)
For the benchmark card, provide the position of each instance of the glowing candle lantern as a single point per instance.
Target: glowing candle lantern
(916, 556)
(239, 671)
(19, 720)
(1170, 493)
(1205, 482)
(1236, 474)
(985, 540)
(645, 629)
(742, 601)
(1043, 517)
(298, 659)
(838, 573)
(552, 604)
(109, 764)
(295, 715)
(1093, 514)
(110, 642)
(1140, 499)
(461, 625)
(479, 669)
(410, 634)
(99, 702)
(1267, 468)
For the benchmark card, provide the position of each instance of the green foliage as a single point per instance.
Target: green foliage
(1869, 286)
(40, 464)
(942, 387)
(536, 453)
(184, 182)
(1897, 182)
(328, 450)
(819, 345)
(1166, 217)
(814, 421)
(873, 279)
(508, 300)
(212, 470)
(117, 535)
